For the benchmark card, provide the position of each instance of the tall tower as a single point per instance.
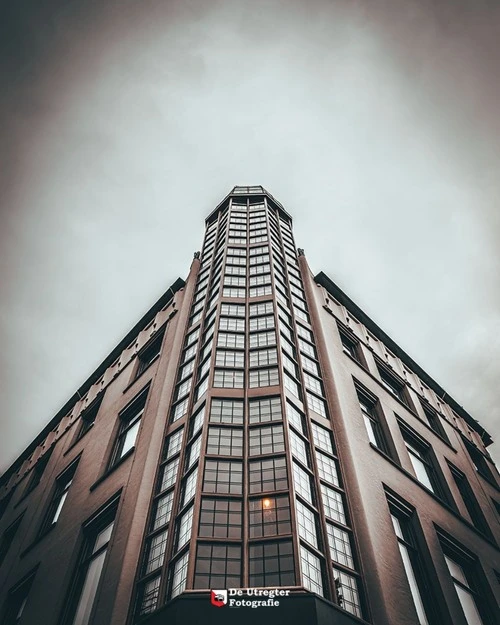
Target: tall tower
(255, 430)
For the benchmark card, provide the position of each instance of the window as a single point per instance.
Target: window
(193, 452)
(291, 385)
(155, 552)
(218, 566)
(225, 441)
(435, 422)
(302, 482)
(263, 377)
(232, 324)
(234, 310)
(306, 521)
(479, 461)
(189, 487)
(261, 323)
(262, 339)
(149, 353)
(37, 472)
(17, 600)
(350, 343)
(316, 404)
(260, 291)
(184, 526)
(179, 575)
(267, 475)
(299, 449)
(295, 418)
(269, 516)
(266, 440)
(393, 384)
(168, 475)
(322, 438)
(371, 420)
(313, 384)
(228, 378)
(263, 357)
(220, 518)
(477, 603)
(162, 510)
(271, 564)
(310, 365)
(327, 469)
(470, 502)
(411, 563)
(223, 477)
(347, 592)
(233, 292)
(264, 410)
(61, 490)
(8, 537)
(174, 443)
(312, 577)
(89, 416)
(84, 589)
(231, 340)
(130, 421)
(197, 421)
(333, 504)
(226, 411)
(340, 545)
(421, 459)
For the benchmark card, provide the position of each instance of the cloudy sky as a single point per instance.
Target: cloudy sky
(123, 123)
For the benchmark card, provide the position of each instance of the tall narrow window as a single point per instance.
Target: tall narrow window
(470, 501)
(476, 600)
(88, 417)
(17, 600)
(372, 423)
(61, 490)
(37, 472)
(420, 454)
(8, 537)
(149, 353)
(84, 589)
(130, 421)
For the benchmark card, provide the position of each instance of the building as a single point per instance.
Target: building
(255, 429)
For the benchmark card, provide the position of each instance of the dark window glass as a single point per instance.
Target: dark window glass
(218, 566)
(479, 461)
(372, 423)
(264, 410)
(470, 501)
(394, 385)
(85, 586)
(266, 440)
(8, 537)
(225, 441)
(421, 458)
(130, 421)
(272, 564)
(267, 475)
(220, 518)
(37, 472)
(61, 490)
(223, 477)
(149, 353)
(435, 422)
(17, 600)
(89, 416)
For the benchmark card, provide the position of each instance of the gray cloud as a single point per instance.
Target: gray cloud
(123, 124)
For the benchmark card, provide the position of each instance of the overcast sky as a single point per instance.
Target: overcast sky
(123, 123)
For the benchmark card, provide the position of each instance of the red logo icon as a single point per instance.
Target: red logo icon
(218, 598)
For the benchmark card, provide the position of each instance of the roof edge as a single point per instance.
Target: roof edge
(326, 282)
(112, 356)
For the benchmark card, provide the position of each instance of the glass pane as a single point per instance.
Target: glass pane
(421, 471)
(59, 507)
(415, 592)
(89, 590)
(103, 537)
(468, 606)
(130, 437)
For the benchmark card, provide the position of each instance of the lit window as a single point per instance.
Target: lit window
(269, 516)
